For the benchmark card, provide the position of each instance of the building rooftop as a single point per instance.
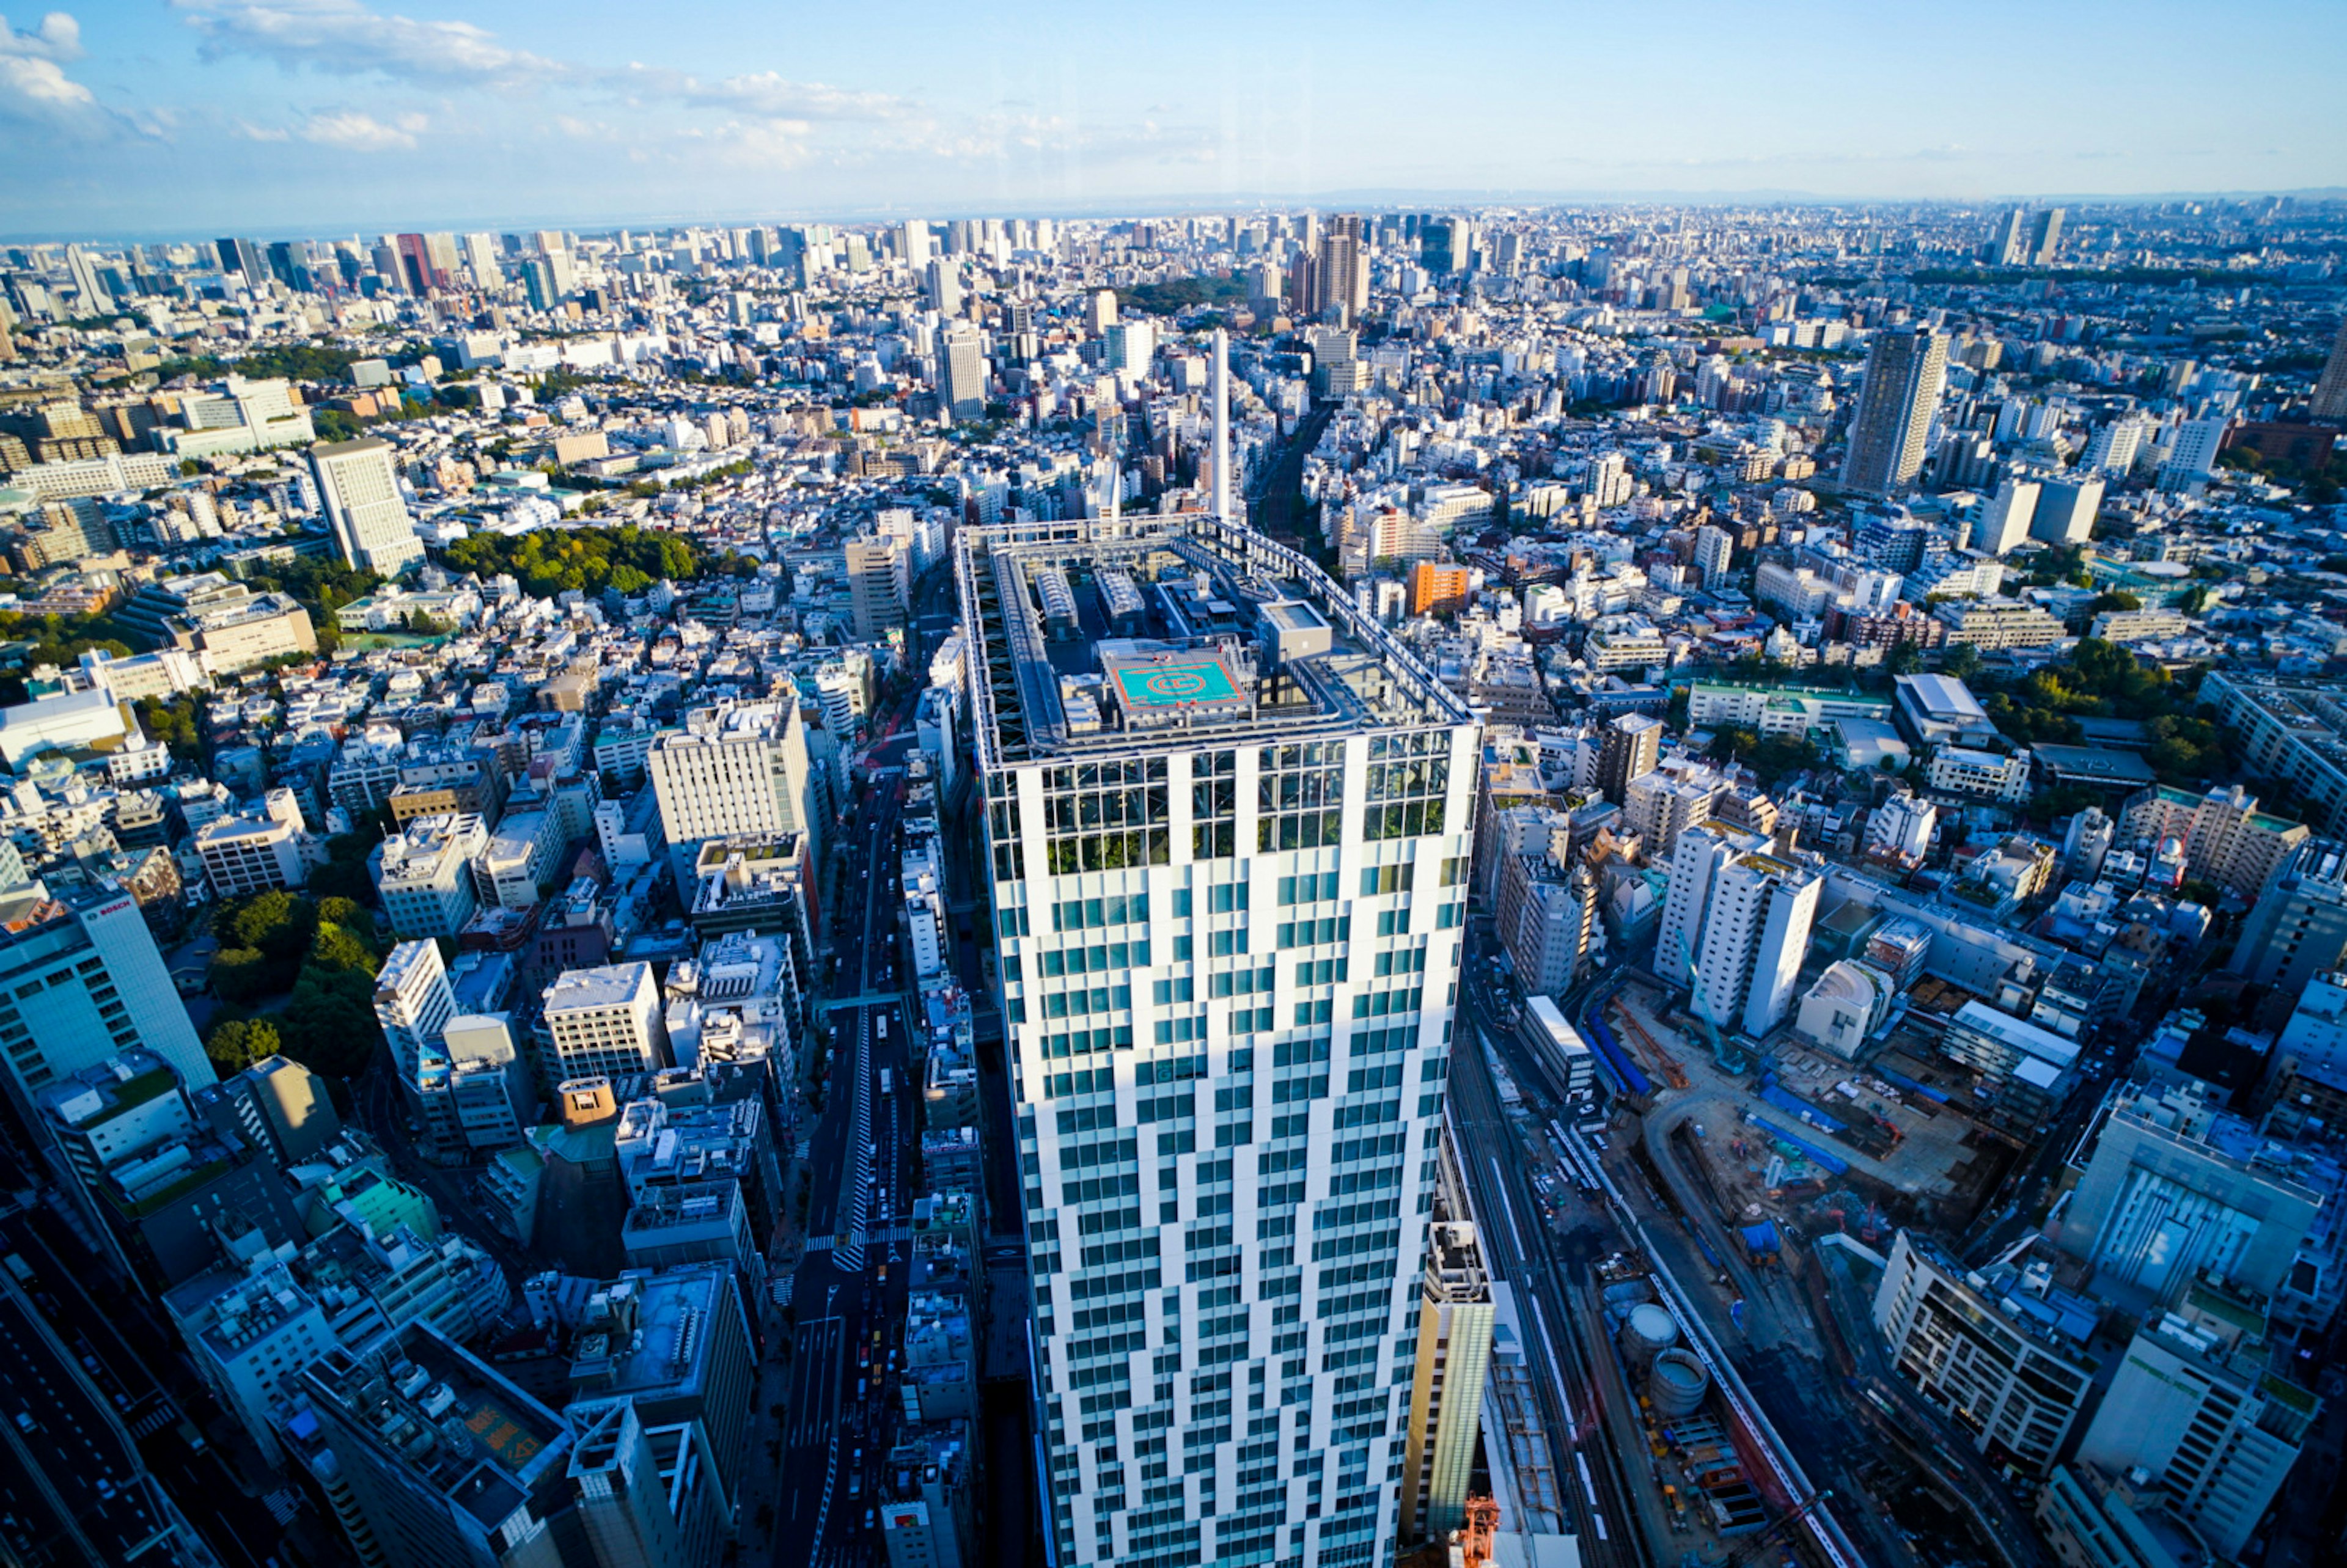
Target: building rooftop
(1242, 638)
(610, 986)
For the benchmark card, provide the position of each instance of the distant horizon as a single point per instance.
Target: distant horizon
(129, 118)
(1370, 202)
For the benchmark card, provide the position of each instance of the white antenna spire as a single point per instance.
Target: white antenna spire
(1221, 455)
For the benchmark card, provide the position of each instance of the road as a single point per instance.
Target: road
(1549, 1269)
(861, 1156)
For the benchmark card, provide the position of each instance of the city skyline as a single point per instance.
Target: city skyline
(141, 121)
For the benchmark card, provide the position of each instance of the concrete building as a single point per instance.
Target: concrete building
(1960, 770)
(1849, 1002)
(2289, 730)
(739, 771)
(360, 489)
(605, 1022)
(2065, 510)
(1279, 1058)
(2226, 840)
(1735, 925)
(424, 875)
(2199, 1412)
(82, 981)
(2096, 1521)
(1631, 746)
(256, 853)
(434, 1456)
(1446, 1397)
(1906, 368)
(2004, 1350)
(2176, 1189)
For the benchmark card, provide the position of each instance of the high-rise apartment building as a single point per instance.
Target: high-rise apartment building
(2045, 237)
(879, 583)
(1905, 369)
(1735, 925)
(1229, 882)
(2192, 455)
(2009, 247)
(2066, 510)
(1455, 1314)
(413, 1002)
(361, 491)
(2006, 517)
(1714, 548)
(1631, 746)
(243, 256)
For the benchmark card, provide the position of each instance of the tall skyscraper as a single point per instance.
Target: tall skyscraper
(1445, 244)
(242, 256)
(2045, 237)
(962, 371)
(2010, 246)
(94, 297)
(1340, 272)
(1905, 370)
(2330, 392)
(361, 492)
(1230, 917)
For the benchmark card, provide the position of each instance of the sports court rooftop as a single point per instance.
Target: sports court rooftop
(1116, 635)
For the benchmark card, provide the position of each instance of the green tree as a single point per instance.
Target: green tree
(236, 1043)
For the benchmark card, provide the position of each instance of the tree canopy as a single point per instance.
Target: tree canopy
(550, 561)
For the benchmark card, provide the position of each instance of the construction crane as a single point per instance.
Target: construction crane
(1745, 1551)
(1672, 1073)
(1475, 1537)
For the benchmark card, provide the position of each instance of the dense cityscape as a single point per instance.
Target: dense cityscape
(628, 880)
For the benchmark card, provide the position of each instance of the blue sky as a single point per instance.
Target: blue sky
(296, 117)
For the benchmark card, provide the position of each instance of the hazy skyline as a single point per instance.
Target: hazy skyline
(316, 115)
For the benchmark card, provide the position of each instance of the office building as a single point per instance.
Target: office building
(244, 258)
(2097, 1521)
(1437, 589)
(1905, 370)
(605, 1022)
(1266, 871)
(1629, 748)
(737, 771)
(2195, 1408)
(1454, 1352)
(81, 981)
(2009, 246)
(277, 1105)
(424, 876)
(432, 1457)
(2002, 1350)
(360, 489)
(2177, 1188)
(962, 371)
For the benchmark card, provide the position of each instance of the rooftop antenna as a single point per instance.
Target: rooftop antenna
(1221, 453)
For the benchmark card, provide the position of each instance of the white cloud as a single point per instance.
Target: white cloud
(342, 37)
(354, 131)
(766, 94)
(33, 81)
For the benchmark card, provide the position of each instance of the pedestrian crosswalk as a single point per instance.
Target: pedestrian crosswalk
(153, 1421)
(282, 1505)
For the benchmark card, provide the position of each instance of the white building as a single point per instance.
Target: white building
(414, 1002)
(1252, 953)
(360, 487)
(1960, 770)
(1846, 1005)
(738, 770)
(1735, 925)
(425, 875)
(254, 854)
(2193, 457)
(2203, 1414)
(605, 1022)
